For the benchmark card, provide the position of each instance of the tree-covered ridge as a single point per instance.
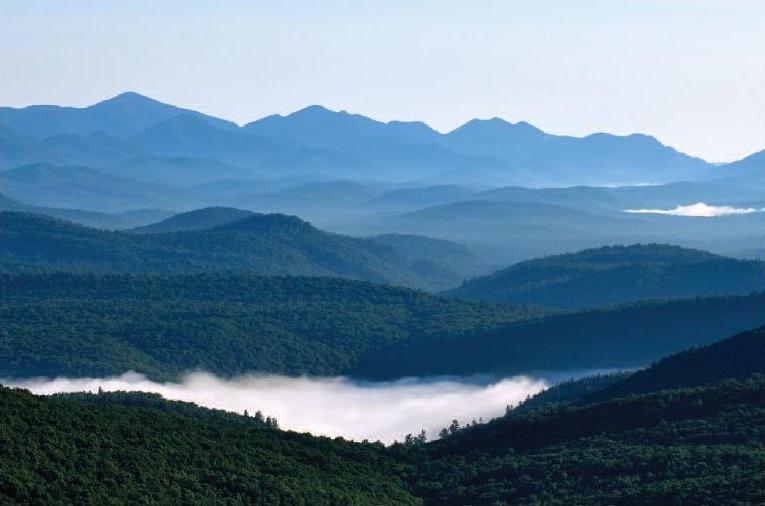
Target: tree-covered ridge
(264, 244)
(155, 401)
(89, 324)
(616, 274)
(624, 336)
(435, 257)
(67, 451)
(738, 356)
(569, 391)
(198, 219)
(94, 325)
(696, 446)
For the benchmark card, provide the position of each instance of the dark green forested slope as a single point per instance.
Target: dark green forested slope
(67, 451)
(89, 324)
(264, 244)
(627, 336)
(198, 219)
(698, 446)
(736, 357)
(739, 356)
(616, 274)
(701, 445)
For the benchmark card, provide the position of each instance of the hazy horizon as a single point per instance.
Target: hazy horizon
(688, 73)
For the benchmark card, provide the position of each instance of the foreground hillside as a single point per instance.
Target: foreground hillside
(66, 451)
(641, 440)
(616, 274)
(673, 447)
(702, 444)
(263, 244)
(87, 324)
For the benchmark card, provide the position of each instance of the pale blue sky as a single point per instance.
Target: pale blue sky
(690, 72)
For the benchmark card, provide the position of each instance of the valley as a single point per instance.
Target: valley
(353, 254)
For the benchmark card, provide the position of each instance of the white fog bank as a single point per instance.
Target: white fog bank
(698, 210)
(334, 406)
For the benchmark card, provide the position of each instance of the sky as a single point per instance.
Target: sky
(690, 72)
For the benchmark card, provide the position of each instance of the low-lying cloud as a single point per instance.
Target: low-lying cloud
(336, 406)
(699, 210)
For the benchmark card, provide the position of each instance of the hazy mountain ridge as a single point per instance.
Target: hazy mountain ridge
(122, 115)
(616, 274)
(342, 144)
(265, 244)
(123, 220)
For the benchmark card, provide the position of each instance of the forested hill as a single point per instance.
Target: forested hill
(68, 451)
(616, 274)
(739, 356)
(262, 244)
(89, 324)
(198, 219)
(625, 336)
(674, 447)
(92, 325)
(643, 440)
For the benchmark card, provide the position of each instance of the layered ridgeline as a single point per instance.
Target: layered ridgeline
(696, 445)
(122, 220)
(164, 326)
(335, 144)
(702, 444)
(616, 274)
(212, 239)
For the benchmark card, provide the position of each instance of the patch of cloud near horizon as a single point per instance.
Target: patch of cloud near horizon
(699, 210)
(330, 406)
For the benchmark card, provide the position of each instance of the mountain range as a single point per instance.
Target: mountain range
(337, 144)
(501, 189)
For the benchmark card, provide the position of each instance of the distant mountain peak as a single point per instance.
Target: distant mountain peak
(315, 109)
(130, 99)
(496, 124)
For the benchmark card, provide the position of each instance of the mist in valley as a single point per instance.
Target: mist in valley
(330, 406)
